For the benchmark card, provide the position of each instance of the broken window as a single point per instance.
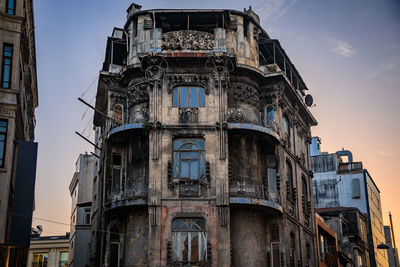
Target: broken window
(118, 114)
(189, 159)
(185, 97)
(6, 66)
(116, 172)
(189, 240)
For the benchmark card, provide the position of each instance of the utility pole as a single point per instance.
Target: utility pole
(396, 259)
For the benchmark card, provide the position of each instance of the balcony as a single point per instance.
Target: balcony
(135, 120)
(244, 193)
(132, 194)
(274, 59)
(239, 118)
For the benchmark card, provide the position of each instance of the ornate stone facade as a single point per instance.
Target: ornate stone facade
(187, 40)
(221, 163)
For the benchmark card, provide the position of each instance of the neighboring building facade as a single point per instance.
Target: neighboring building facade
(18, 100)
(350, 226)
(328, 254)
(205, 144)
(81, 193)
(49, 251)
(392, 250)
(346, 184)
(97, 207)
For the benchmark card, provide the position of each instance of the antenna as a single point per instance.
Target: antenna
(309, 100)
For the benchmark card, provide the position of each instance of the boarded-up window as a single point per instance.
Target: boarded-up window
(356, 188)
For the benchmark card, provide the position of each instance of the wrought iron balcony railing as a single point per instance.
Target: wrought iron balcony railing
(238, 115)
(132, 190)
(249, 190)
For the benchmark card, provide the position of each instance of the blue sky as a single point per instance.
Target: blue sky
(348, 53)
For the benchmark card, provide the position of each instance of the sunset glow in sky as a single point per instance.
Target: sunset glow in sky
(348, 53)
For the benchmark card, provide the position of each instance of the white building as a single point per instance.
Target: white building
(341, 183)
(81, 193)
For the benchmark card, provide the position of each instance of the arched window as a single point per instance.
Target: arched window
(118, 114)
(189, 159)
(286, 126)
(269, 112)
(189, 240)
(185, 97)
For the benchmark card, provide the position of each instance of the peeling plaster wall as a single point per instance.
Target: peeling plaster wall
(137, 238)
(248, 238)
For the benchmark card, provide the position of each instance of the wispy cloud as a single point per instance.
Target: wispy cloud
(381, 69)
(273, 9)
(385, 153)
(340, 47)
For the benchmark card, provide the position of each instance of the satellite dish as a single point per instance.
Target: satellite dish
(309, 100)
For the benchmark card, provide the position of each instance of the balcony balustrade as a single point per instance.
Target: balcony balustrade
(239, 115)
(257, 191)
(130, 191)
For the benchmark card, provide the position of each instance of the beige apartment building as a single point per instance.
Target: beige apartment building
(48, 251)
(18, 100)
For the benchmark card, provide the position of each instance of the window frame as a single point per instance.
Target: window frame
(64, 261)
(177, 153)
(201, 233)
(118, 117)
(42, 254)
(87, 212)
(3, 65)
(269, 115)
(3, 155)
(116, 167)
(200, 97)
(290, 179)
(8, 7)
(286, 125)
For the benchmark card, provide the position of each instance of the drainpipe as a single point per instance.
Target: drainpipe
(345, 153)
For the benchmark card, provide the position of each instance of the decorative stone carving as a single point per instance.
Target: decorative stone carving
(244, 93)
(206, 178)
(138, 93)
(188, 115)
(236, 115)
(117, 99)
(187, 40)
(189, 79)
(189, 189)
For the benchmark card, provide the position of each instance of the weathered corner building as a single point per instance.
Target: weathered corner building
(205, 144)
